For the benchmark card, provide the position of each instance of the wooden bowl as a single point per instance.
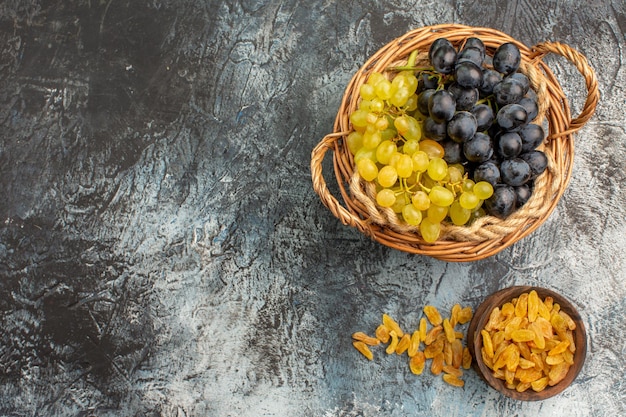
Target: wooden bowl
(475, 342)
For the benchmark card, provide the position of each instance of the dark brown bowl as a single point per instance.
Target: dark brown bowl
(475, 342)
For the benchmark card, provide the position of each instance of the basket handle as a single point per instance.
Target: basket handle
(319, 185)
(581, 64)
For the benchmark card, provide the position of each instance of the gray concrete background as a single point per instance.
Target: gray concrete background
(162, 252)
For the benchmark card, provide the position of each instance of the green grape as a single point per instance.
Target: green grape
(367, 92)
(468, 184)
(401, 202)
(410, 147)
(386, 197)
(377, 105)
(430, 230)
(354, 141)
(394, 158)
(420, 200)
(469, 200)
(399, 97)
(359, 118)
(428, 182)
(414, 131)
(375, 78)
(367, 169)
(437, 168)
(411, 215)
(382, 123)
(404, 166)
(432, 148)
(411, 103)
(436, 213)
(420, 161)
(458, 214)
(387, 176)
(441, 196)
(365, 105)
(402, 124)
(455, 174)
(385, 150)
(483, 190)
(365, 153)
(388, 133)
(383, 89)
(371, 138)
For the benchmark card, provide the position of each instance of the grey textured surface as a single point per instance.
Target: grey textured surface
(162, 252)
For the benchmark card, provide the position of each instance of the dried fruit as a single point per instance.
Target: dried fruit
(437, 364)
(368, 340)
(415, 344)
(449, 330)
(443, 343)
(528, 342)
(433, 315)
(393, 344)
(392, 325)
(362, 347)
(417, 363)
(466, 359)
(382, 333)
(453, 380)
(403, 344)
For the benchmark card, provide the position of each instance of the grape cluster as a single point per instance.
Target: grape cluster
(487, 127)
(452, 141)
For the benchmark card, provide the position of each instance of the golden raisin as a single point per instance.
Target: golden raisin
(533, 305)
(449, 369)
(417, 363)
(368, 340)
(540, 384)
(393, 344)
(521, 308)
(522, 335)
(415, 343)
(392, 325)
(449, 330)
(466, 362)
(362, 347)
(432, 334)
(403, 344)
(465, 315)
(382, 333)
(453, 380)
(433, 315)
(423, 329)
(436, 365)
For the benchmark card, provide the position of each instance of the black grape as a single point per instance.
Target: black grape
(453, 151)
(484, 116)
(502, 202)
(531, 107)
(469, 75)
(511, 117)
(532, 136)
(487, 171)
(465, 97)
(508, 91)
(507, 58)
(490, 79)
(462, 126)
(515, 172)
(479, 148)
(509, 145)
(441, 106)
(537, 161)
(434, 130)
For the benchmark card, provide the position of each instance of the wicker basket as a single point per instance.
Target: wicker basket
(488, 235)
